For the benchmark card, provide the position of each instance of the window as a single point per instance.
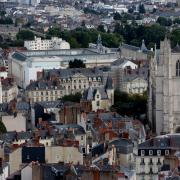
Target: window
(150, 152)
(74, 87)
(158, 152)
(41, 92)
(142, 152)
(81, 137)
(166, 152)
(142, 161)
(178, 68)
(97, 103)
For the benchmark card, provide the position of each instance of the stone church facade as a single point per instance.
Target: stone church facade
(164, 93)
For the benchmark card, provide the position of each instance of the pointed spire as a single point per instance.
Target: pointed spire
(143, 46)
(99, 40)
(109, 83)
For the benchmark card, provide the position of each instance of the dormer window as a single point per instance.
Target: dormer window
(142, 152)
(178, 68)
(166, 152)
(150, 152)
(158, 152)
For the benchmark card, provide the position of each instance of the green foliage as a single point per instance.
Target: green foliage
(175, 37)
(176, 21)
(2, 13)
(77, 63)
(130, 104)
(164, 21)
(72, 97)
(6, 20)
(25, 35)
(2, 127)
(81, 37)
(55, 31)
(117, 16)
(101, 28)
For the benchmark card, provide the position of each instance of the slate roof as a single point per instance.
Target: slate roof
(109, 83)
(78, 130)
(90, 93)
(171, 141)
(42, 85)
(67, 73)
(176, 49)
(124, 146)
(51, 104)
(135, 48)
(19, 56)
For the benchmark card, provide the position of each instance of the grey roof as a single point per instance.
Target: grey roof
(78, 130)
(135, 48)
(124, 146)
(162, 142)
(51, 104)
(68, 73)
(119, 62)
(19, 56)
(90, 93)
(64, 53)
(12, 136)
(176, 49)
(21, 106)
(109, 83)
(3, 107)
(42, 85)
(137, 73)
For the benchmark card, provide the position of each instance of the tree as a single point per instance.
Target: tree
(6, 20)
(2, 127)
(142, 9)
(130, 104)
(77, 63)
(176, 21)
(54, 31)
(117, 16)
(164, 21)
(101, 28)
(25, 35)
(72, 97)
(175, 37)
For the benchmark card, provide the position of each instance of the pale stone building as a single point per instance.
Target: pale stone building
(47, 44)
(164, 94)
(99, 98)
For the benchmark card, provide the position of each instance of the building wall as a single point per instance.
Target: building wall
(9, 93)
(57, 154)
(26, 173)
(137, 85)
(15, 159)
(167, 93)
(17, 123)
(38, 95)
(5, 173)
(53, 43)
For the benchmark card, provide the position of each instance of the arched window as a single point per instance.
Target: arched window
(178, 68)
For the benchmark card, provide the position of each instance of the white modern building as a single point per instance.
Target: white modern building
(25, 65)
(47, 44)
